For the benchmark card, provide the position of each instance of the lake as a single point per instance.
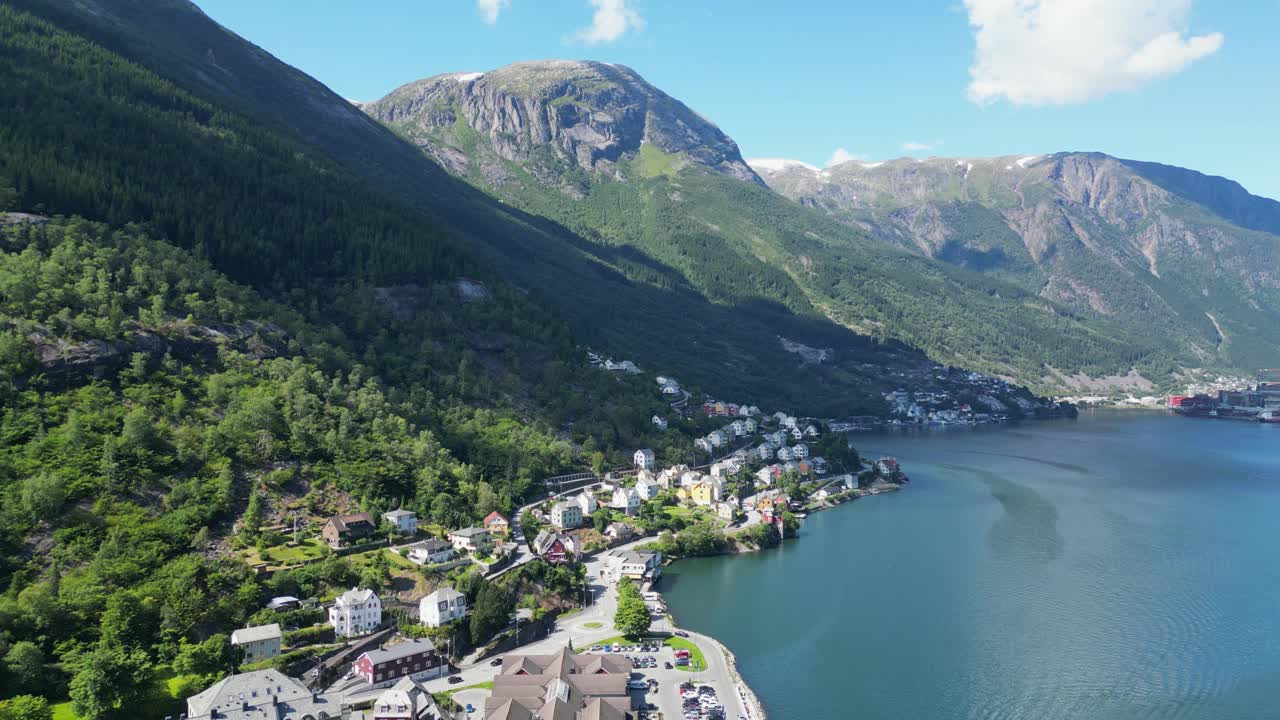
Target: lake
(1122, 565)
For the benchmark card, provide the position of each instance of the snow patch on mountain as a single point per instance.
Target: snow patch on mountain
(778, 164)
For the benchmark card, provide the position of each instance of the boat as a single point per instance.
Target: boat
(1269, 416)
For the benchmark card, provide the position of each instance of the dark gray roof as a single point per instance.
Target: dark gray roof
(404, 649)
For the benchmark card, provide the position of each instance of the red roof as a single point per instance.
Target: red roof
(495, 515)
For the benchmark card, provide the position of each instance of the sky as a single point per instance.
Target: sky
(1194, 83)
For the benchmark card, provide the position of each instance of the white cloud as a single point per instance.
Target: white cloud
(1054, 52)
(490, 9)
(913, 146)
(612, 19)
(843, 156)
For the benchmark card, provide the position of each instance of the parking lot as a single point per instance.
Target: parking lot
(707, 695)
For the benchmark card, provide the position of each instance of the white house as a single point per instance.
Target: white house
(472, 538)
(442, 606)
(258, 643)
(619, 531)
(638, 565)
(800, 451)
(627, 500)
(726, 511)
(566, 515)
(764, 451)
(661, 422)
(690, 478)
(408, 699)
(811, 430)
(738, 428)
(355, 612)
(750, 425)
(797, 434)
(406, 521)
(764, 476)
(703, 444)
(586, 503)
(647, 489)
(671, 476)
(644, 459)
(784, 453)
(429, 552)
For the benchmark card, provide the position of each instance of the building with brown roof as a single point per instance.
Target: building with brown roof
(563, 686)
(341, 530)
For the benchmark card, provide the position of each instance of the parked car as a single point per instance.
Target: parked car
(638, 685)
(455, 679)
(681, 633)
(667, 665)
(495, 662)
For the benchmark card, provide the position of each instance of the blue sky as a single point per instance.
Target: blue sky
(1186, 82)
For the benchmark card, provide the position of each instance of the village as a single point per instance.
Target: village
(403, 653)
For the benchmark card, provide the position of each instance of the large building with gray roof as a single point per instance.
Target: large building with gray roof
(262, 695)
(563, 686)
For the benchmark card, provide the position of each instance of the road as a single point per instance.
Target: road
(523, 553)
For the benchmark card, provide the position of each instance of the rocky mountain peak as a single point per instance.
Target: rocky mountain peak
(591, 114)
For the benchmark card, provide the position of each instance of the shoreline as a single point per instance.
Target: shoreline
(750, 701)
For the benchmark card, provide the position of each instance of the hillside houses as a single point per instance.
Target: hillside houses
(626, 500)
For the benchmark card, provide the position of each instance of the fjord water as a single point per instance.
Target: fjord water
(1122, 565)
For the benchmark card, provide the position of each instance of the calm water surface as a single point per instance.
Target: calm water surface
(1123, 565)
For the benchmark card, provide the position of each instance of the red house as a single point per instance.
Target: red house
(416, 658)
(555, 548)
(496, 524)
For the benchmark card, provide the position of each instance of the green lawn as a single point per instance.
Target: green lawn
(306, 550)
(63, 711)
(594, 625)
(695, 653)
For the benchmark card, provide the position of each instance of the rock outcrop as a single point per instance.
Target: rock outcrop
(589, 115)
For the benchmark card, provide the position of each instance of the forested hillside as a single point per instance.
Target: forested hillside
(156, 413)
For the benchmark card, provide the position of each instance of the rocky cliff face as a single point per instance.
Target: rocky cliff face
(589, 115)
(1149, 244)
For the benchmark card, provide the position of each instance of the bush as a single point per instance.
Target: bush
(309, 635)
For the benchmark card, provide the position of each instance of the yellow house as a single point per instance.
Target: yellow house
(702, 493)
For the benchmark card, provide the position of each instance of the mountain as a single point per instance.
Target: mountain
(598, 149)
(615, 299)
(1149, 247)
